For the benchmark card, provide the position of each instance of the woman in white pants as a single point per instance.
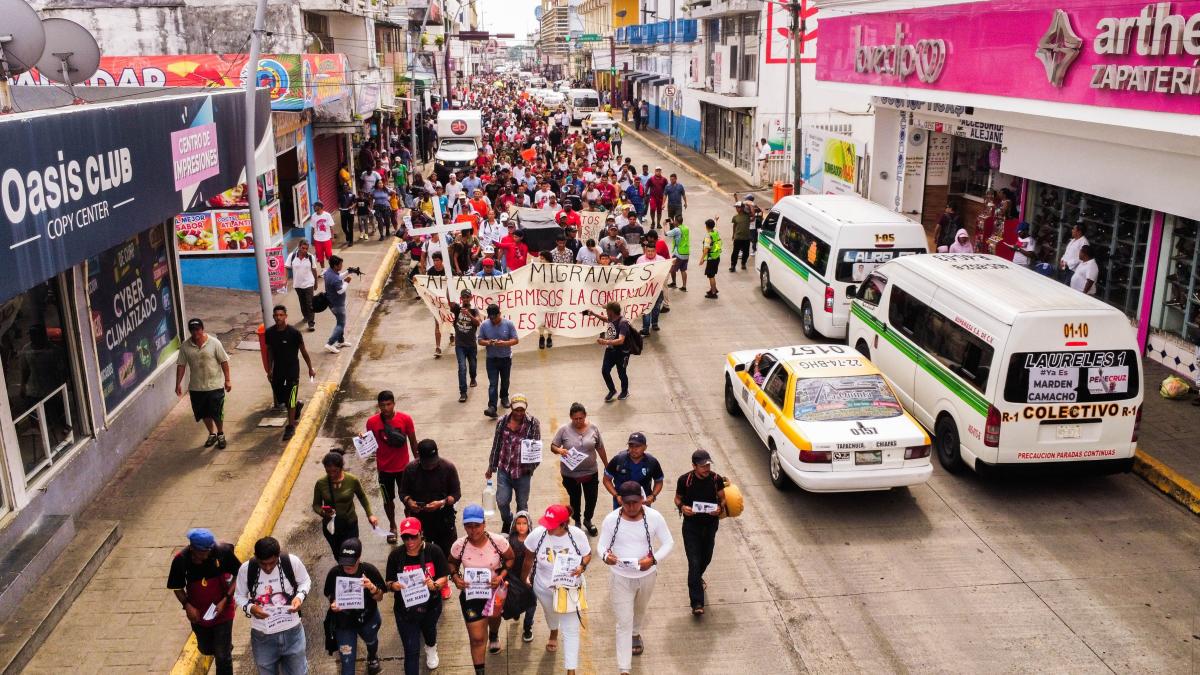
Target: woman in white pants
(627, 537)
(554, 545)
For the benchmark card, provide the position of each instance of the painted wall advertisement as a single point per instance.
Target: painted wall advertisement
(223, 230)
(830, 163)
(133, 312)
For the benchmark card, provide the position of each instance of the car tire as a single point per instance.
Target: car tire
(807, 321)
(862, 348)
(764, 282)
(731, 404)
(775, 470)
(945, 439)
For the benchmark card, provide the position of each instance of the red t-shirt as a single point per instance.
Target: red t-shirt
(391, 459)
(660, 248)
(565, 219)
(656, 185)
(515, 255)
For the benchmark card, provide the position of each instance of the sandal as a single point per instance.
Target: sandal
(494, 646)
(437, 352)
(552, 645)
(638, 647)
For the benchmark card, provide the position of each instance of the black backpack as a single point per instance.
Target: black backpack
(633, 339)
(285, 564)
(320, 302)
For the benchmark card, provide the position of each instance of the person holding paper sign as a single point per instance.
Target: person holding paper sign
(518, 435)
(700, 498)
(559, 591)
(356, 611)
(333, 500)
(270, 589)
(396, 437)
(202, 577)
(477, 557)
(628, 536)
(578, 444)
(421, 562)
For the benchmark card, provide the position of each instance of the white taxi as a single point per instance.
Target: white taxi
(829, 419)
(599, 121)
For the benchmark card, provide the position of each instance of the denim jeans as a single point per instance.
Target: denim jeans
(468, 359)
(279, 652)
(505, 487)
(347, 639)
(651, 318)
(413, 627)
(498, 370)
(339, 329)
(620, 359)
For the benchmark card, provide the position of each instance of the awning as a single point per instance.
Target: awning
(659, 80)
(639, 77)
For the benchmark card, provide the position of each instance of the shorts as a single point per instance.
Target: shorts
(285, 389)
(389, 483)
(681, 263)
(674, 210)
(472, 610)
(208, 404)
(711, 266)
(656, 205)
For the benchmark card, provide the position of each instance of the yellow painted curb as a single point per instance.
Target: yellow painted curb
(1167, 480)
(383, 274)
(671, 156)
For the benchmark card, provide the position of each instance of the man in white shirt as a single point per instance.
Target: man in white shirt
(322, 233)
(270, 591)
(453, 188)
(764, 154)
(1086, 272)
(626, 544)
(491, 231)
(304, 280)
(542, 195)
(1070, 258)
(369, 178)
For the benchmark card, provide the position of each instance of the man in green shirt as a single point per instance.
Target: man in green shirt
(681, 245)
(333, 500)
(712, 256)
(209, 363)
(743, 220)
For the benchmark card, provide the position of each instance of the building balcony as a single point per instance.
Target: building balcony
(711, 9)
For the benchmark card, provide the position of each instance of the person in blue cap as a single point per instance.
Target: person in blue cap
(479, 563)
(202, 577)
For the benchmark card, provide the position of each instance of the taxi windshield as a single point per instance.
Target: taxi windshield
(833, 399)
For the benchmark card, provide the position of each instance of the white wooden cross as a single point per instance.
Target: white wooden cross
(441, 228)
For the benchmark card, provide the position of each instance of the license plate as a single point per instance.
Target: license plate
(868, 457)
(1062, 431)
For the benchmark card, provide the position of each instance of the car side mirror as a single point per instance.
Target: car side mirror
(852, 291)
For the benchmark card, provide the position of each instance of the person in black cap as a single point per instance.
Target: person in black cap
(429, 490)
(700, 498)
(637, 465)
(351, 624)
(209, 363)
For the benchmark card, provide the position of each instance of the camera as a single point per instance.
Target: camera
(355, 270)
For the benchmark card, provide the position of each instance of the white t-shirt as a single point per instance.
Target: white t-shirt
(302, 270)
(586, 256)
(369, 179)
(631, 541)
(1023, 253)
(322, 224)
(1085, 271)
(764, 151)
(271, 593)
(1071, 253)
(551, 547)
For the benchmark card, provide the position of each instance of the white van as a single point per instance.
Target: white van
(580, 102)
(815, 249)
(1009, 369)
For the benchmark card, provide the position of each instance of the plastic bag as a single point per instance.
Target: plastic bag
(1174, 388)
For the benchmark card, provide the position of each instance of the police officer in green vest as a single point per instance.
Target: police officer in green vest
(681, 245)
(712, 256)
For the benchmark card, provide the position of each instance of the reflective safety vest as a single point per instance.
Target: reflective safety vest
(714, 246)
(685, 241)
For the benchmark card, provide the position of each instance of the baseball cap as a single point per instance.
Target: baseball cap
(637, 438)
(492, 309)
(519, 401)
(193, 324)
(556, 515)
(350, 552)
(631, 488)
(465, 293)
(410, 526)
(488, 262)
(201, 539)
(701, 457)
(473, 514)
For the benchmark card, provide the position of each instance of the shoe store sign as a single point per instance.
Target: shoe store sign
(1133, 55)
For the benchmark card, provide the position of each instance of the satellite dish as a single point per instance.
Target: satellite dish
(22, 39)
(71, 55)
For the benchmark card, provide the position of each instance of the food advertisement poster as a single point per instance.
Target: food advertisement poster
(194, 233)
(133, 313)
(301, 202)
(223, 231)
(234, 231)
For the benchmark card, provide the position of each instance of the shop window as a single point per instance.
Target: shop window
(40, 371)
(974, 168)
(1180, 292)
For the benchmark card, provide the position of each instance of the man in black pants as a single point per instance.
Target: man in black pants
(700, 498)
(743, 221)
(346, 204)
(429, 490)
(616, 350)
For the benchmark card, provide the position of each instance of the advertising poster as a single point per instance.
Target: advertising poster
(301, 203)
(276, 272)
(133, 312)
(830, 163)
(223, 231)
(195, 233)
(234, 231)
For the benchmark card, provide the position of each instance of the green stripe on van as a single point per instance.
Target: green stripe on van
(787, 259)
(962, 390)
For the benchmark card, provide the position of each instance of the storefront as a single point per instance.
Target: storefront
(1091, 122)
(90, 305)
(728, 134)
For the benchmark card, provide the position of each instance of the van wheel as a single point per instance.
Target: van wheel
(778, 478)
(731, 404)
(862, 348)
(806, 320)
(764, 282)
(945, 438)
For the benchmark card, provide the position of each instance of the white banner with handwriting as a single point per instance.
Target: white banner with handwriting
(553, 295)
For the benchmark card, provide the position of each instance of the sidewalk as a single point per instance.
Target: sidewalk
(720, 177)
(126, 619)
(1168, 456)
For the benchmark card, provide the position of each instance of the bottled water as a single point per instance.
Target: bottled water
(489, 499)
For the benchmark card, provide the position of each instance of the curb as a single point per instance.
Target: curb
(675, 158)
(279, 486)
(1167, 480)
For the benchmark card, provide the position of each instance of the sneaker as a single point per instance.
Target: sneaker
(490, 412)
(374, 667)
(591, 529)
(549, 342)
(431, 658)
(683, 288)
(644, 332)
(221, 443)
(624, 395)
(474, 383)
(332, 349)
(665, 310)
(527, 636)
(671, 285)
(654, 327)
(732, 270)
(504, 403)
(462, 398)
(345, 344)
(541, 342)
(312, 327)
(212, 440)
(609, 398)
(710, 295)
(288, 432)
(494, 646)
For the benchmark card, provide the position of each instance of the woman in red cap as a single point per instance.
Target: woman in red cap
(417, 616)
(559, 555)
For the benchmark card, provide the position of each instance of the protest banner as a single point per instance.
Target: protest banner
(591, 225)
(553, 295)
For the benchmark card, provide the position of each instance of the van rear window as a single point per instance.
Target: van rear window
(1072, 377)
(855, 264)
(586, 102)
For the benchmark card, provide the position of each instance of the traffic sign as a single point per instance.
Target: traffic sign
(589, 37)
(670, 91)
(612, 71)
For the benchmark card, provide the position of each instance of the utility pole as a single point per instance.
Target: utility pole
(798, 30)
(258, 224)
(612, 71)
(412, 83)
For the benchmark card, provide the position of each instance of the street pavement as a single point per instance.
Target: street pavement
(957, 575)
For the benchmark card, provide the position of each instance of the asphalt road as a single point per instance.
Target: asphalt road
(957, 575)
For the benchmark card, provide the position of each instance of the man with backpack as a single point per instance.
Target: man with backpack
(620, 340)
(202, 577)
(270, 589)
(304, 280)
(700, 498)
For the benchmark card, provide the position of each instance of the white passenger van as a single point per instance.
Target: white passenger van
(580, 102)
(814, 250)
(1009, 369)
